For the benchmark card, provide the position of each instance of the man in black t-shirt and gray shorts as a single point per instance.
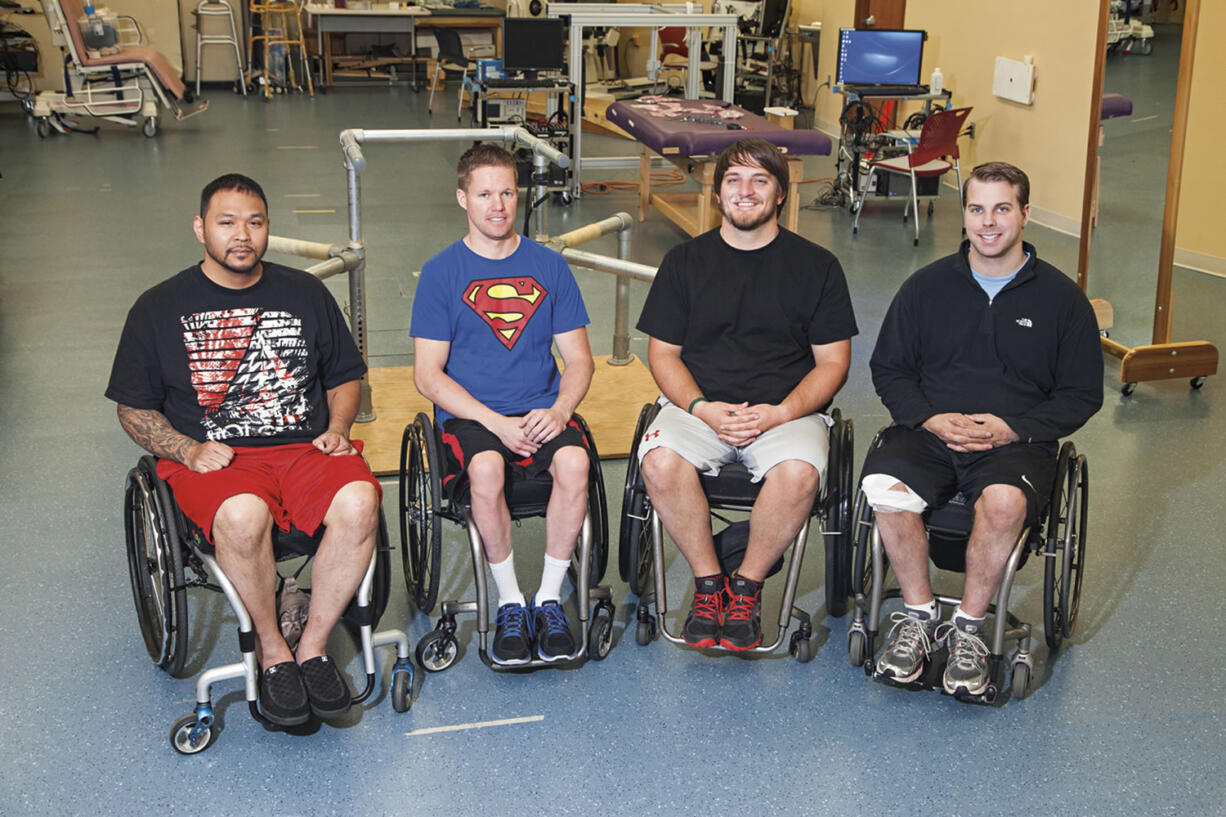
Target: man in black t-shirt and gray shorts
(750, 331)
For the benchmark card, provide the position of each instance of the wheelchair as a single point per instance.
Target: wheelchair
(431, 490)
(168, 554)
(641, 544)
(1059, 539)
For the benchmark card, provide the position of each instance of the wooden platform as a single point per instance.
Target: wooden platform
(611, 409)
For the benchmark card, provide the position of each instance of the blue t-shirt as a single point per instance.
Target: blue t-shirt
(500, 317)
(992, 285)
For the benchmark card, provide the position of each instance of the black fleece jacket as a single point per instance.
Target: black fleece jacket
(1031, 356)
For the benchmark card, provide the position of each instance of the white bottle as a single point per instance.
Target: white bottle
(936, 83)
(95, 22)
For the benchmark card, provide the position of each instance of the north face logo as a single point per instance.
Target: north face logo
(1025, 322)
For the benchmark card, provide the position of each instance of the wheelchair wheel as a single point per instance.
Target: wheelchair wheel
(181, 736)
(420, 497)
(600, 633)
(155, 566)
(1065, 546)
(837, 512)
(861, 557)
(634, 547)
(598, 507)
(438, 649)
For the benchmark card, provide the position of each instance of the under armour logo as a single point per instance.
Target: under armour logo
(1025, 322)
(650, 434)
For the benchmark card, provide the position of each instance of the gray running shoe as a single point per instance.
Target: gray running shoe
(910, 642)
(967, 667)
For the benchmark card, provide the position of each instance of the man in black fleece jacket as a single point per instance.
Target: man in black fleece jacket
(986, 358)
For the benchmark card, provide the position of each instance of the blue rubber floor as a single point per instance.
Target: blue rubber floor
(1127, 718)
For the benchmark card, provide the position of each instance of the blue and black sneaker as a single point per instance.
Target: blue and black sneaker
(512, 635)
(554, 641)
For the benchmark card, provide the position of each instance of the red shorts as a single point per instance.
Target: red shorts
(297, 482)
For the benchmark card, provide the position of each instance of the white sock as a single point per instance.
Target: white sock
(504, 579)
(551, 579)
(929, 612)
(962, 619)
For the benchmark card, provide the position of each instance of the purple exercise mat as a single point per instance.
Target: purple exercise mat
(690, 127)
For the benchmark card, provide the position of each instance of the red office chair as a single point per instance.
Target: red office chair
(938, 143)
(675, 52)
(672, 41)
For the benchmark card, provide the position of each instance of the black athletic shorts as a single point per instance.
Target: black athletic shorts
(918, 459)
(465, 439)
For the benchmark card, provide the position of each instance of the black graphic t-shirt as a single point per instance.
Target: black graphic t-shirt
(240, 366)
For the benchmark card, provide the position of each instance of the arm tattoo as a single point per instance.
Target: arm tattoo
(153, 432)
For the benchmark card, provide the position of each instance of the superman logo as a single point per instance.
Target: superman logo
(505, 304)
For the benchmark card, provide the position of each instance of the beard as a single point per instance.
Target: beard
(245, 268)
(749, 221)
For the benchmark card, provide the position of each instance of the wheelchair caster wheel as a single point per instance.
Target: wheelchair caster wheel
(437, 650)
(1021, 679)
(402, 691)
(856, 648)
(644, 632)
(181, 737)
(600, 634)
(150, 127)
(800, 647)
(930, 209)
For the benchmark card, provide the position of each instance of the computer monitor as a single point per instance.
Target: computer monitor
(879, 57)
(533, 44)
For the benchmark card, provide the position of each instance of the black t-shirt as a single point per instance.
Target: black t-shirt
(746, 320)
(240, 366)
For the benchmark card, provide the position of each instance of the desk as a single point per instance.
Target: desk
(693, 147)
(404, 20)
(330, 20)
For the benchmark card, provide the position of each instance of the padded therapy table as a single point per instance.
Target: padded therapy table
(691, 133)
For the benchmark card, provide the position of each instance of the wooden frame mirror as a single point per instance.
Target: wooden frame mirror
(1162, 359)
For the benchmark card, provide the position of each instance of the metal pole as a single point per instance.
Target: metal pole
(538, 191)
(603, 263)
(357, 277)
(621, 311)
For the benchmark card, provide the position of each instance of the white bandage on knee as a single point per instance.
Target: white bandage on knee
(880, 493)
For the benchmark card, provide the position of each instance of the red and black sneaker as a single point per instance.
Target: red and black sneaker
(706, 612)
(742, 628)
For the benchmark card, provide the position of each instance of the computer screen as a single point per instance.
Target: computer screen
(876, 57)
(533, 44)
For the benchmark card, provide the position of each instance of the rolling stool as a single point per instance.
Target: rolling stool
(218, 8)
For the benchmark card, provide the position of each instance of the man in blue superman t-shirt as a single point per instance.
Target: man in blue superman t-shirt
(486, 314)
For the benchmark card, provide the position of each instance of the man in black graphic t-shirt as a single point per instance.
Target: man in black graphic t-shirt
(750, 329)
(243, 379)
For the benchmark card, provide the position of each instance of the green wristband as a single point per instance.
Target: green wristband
(696, 401)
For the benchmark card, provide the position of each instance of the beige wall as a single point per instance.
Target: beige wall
(1200, 223)
(1046, 139)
